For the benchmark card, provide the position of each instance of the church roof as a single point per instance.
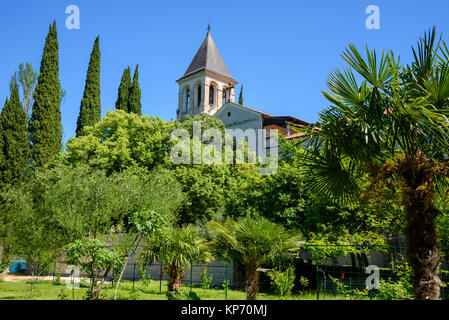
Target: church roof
(208, 58)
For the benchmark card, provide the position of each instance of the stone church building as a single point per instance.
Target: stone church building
(208, 87)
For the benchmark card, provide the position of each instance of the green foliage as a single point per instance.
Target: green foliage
(26, 77)
(388, 121)
(45, 122)
(392, 291)
(283, 281)
(134, 294)
(90, 109)
(93, 255)
(340, 287)
(15, 143)
(123, 91)
(126, 140)
(398, 289)
(241, 95)
(256, 240)
(206, 281)
(147, 222)
(280, 198)
(62, 295)
(176, 293)
(134, 103)
(145, 278)
(205, 187)
(121, 141)
(176, 247)
(303, 282)
(57, 280)
(96, 258)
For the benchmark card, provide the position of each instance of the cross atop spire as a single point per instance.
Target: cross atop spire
(208, 28)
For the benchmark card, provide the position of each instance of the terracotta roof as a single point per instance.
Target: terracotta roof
(279, 120)
(295, 135)
(208, 58)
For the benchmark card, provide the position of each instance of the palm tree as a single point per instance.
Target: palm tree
(176, 248)
(254, 242)
(393, 126)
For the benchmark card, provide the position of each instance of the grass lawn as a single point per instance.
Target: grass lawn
(45, 290)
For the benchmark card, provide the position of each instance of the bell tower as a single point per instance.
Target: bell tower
(207, 84)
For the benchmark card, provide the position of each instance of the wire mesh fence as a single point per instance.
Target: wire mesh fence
(332, 272)
(344, 271)
(211, 275)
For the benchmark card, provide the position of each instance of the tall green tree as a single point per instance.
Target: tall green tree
(123, 91)
(15, 141)
(90, 109)
(241, 95)
(134, 103)
(392, 125)
(26, 77)
(45, 124)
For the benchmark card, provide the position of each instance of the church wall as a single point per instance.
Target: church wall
(236, 118)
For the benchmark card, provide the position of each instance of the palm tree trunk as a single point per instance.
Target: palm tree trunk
(252, 280)
(423, 254)
(421, 234)
(174, 279)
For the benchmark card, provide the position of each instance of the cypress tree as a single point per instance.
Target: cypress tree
(2, 151)
(15, 141)
(134, 103)
(45, 123)
(241, 95)
(90, 109)
(123, 91)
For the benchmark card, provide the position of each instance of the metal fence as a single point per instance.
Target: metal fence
(219, 274)
(331, 278)
(346, 274)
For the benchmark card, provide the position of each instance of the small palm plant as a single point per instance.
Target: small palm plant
(254, 242)
(176, 248)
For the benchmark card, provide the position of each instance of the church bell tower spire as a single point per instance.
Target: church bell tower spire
(207, 83)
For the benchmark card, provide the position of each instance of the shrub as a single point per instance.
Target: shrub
(57, 280)
(391, 290)
(176, 294)
(282, 281)
(134, 294)
(304, 282)
(62, 295)
(145, 278)
(206, 281)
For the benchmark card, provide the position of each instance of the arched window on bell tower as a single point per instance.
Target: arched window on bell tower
(198, 96)
(223, 99)
(211, 96)
(187, 105)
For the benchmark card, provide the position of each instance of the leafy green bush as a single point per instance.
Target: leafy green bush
(134, 294)
(145, 278)
(206, 281)
(176, 294)
(282, 281)
(57, 280)
(391, 290)
(62, 295)
(304, 283)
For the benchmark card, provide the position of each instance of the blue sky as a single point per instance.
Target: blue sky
(282, 51)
